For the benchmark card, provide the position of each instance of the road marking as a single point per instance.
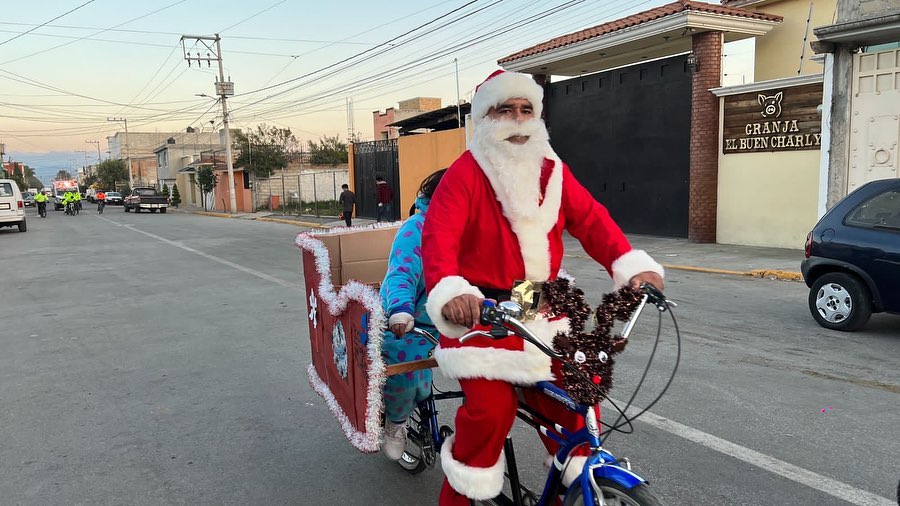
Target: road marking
(214, 258)
(787, 470)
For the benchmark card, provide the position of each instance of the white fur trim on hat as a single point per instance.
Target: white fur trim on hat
(445, 290)
(632, 263)
(478, 483)
(502, 87)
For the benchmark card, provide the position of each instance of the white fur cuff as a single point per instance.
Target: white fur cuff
(478, 483)
(403, 318)
(632, 263)
(445, 290)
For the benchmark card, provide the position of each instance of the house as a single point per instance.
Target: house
(860, 125)
(407, 109)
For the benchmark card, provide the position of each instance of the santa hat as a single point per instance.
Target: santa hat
(502, 86)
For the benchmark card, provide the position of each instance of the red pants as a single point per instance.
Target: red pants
(482, 424)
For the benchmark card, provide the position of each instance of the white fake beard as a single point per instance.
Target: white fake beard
(514, 170)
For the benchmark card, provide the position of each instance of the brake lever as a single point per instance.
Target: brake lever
(476, 333)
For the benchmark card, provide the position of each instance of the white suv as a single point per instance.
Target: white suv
(12, 205)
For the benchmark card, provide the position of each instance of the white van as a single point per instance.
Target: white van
(12, 206)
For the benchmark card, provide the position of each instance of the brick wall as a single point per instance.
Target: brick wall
(707, 48)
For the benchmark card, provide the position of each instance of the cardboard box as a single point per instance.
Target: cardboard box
(370, 272)
(366, 245)
(333, 243)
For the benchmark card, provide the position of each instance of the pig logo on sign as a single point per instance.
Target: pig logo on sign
(771, 105)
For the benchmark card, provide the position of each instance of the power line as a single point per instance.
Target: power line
(96, 33)
(253, 16)
(44, 24)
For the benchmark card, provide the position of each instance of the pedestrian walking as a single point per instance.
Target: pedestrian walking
(384, 197)
(348, 200)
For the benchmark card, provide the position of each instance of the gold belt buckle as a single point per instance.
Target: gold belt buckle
(527, 294)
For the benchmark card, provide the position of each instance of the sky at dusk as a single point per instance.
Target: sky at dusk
(294, 63)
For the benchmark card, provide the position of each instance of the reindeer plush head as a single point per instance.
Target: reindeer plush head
(590, 352)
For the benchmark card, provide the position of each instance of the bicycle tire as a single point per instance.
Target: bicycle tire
(639, 495)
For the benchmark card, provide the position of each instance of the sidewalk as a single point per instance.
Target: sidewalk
(678, 254)
(682, 254)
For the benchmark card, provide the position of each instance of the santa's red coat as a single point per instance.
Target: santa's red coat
(469, 242)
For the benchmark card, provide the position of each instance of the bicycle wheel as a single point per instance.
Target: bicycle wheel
(616, 495)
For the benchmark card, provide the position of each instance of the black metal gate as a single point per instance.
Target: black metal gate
(625, 134)
(370, 159)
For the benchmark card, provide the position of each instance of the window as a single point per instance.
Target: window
(6, 190)
(881, 211)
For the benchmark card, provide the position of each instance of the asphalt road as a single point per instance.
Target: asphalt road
(160, 359)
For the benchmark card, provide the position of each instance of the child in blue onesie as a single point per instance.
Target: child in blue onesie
(403, 298)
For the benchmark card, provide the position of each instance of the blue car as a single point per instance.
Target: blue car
(852, 264)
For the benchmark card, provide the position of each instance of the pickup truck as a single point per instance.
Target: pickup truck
(145, 198)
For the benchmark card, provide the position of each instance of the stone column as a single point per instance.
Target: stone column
(704, 151)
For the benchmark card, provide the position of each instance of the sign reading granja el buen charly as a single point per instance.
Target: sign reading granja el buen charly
(781, 119)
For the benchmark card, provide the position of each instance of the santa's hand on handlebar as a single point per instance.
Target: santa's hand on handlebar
(649, 277)
(463, 310)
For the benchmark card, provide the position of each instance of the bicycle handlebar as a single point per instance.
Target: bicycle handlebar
(505, 314)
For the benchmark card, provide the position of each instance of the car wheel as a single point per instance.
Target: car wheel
(840, 301)
(125, 208)
(162, 210)
(22, 226)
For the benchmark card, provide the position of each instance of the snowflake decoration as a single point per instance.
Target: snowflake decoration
(339, 347)
(313, 304)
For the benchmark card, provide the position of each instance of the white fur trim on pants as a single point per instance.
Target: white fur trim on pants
(632, 263)
(445, 290)
(478, 483)
(518, 367)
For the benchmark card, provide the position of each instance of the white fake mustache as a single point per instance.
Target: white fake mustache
(500, 130)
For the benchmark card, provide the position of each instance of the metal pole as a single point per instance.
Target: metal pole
(458, 114)
(282, 190)
(299, 196)
(315, 196)
(228, 158)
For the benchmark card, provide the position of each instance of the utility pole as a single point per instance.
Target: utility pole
(458, 115)
(99, 160)
(127, 151)
(224, 89)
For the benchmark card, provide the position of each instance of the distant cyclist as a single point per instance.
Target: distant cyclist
(68, 202)
(101, 201)
(41, 200)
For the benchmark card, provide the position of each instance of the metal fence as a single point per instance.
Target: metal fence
(307, 193)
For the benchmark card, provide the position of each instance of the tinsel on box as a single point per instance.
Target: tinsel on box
(592, 352)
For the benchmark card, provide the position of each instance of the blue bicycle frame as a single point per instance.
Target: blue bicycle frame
(600, 463)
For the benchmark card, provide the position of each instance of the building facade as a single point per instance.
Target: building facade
(407, 109)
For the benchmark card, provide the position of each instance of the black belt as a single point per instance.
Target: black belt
(497, 294)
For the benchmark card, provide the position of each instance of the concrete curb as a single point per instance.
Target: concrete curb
(774, 274)
(207, 213)
(293, 222)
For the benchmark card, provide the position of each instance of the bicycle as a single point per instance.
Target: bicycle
(100, 205)
(604, 479)
(70, 209)
(42, 209)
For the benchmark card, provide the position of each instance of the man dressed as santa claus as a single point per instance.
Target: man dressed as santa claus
(497, 218)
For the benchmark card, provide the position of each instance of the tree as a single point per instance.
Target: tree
(63, 175)
(15, 176)
(176, 195)
(109, 172)
(328, 151)
(165, 190)
(206, 182)
(91, 180)
(265, 150)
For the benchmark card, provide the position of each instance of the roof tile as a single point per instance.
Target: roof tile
(636, 19)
